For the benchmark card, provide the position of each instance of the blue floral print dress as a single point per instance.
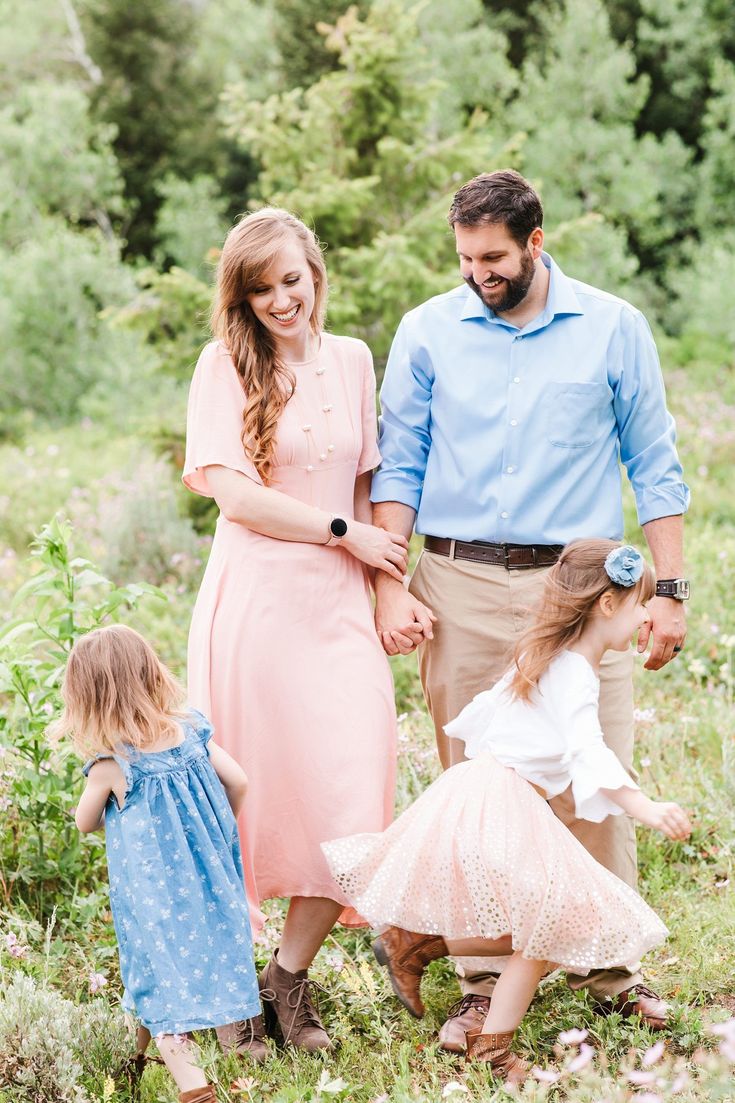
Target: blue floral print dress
(176, 890)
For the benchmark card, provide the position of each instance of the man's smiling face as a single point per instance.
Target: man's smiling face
(494, 265)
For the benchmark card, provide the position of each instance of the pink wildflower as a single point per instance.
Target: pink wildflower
(639, 1077)
(97, 982)
(545, 1076)
(13, 946)
(583, 1058)
(573, 1037)
(652, 1055)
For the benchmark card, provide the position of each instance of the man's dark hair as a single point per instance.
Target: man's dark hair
(505, 197)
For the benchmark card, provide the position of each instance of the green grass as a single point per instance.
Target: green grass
(685, 751)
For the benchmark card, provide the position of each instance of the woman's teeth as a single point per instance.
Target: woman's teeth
(288, 315)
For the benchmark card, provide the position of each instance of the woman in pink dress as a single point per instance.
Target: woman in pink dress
(283, 654)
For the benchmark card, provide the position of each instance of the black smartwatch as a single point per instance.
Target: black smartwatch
(337, 529)
(677, 588)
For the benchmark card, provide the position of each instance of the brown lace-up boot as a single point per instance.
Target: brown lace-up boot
(199, 1095)
(288, 1008)
(405, 956)
(495, 1050)
(246, 1037)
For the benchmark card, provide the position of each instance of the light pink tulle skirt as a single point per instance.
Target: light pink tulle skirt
(480, 854)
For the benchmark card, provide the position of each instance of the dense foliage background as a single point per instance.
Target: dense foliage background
(131, 135)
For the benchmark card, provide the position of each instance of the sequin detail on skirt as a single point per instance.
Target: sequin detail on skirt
(481, 854)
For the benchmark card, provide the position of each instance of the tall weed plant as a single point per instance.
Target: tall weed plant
(41, 857)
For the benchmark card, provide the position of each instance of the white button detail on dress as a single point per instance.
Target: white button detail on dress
(322, 455)
(328, 409)
(513, 421)
(310, 467)
(320, 371)
(510, 470)
(306, 428)
(504, 515)
(516, 378)
(330, 448)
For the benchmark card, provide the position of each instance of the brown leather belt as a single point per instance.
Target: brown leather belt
(514, 557)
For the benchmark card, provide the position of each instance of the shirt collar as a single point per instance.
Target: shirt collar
(561, 300)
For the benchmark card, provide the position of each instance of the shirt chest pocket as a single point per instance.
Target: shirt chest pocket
(577, 414)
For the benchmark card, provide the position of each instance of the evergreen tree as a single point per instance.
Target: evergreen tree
(303, 53)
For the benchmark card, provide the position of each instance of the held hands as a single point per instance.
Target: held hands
(377, 548)
(401, 620)
(668, 627)
(667, 817)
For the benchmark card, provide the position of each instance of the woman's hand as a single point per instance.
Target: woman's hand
(667, 817)
(387, 551)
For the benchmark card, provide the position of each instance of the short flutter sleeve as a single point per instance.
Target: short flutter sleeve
(472, 726)
(591, 765)
(214, 420)
(200, 726)
(122, 762)
(369, 454)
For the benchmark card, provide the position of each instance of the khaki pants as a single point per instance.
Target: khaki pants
(481, 610)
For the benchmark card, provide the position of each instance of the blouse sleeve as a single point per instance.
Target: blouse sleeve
(473, 724)
(214, 421)
(122, 762)
(369, 454)
(591, 765)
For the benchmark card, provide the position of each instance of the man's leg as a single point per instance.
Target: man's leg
(481, 610)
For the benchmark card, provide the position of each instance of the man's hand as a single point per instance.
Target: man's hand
(668, 627)
(401, 620)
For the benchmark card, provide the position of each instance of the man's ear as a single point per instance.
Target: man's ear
(607, 603)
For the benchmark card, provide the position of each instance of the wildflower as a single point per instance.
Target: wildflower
(573, 1037)
(680, 1082)
(545, 1076)
(649, 1097)
(639, 1077)
(652, 1055)
(13, 946)
(583, 1058)
(452, 1087)
(97, 982)
(335, 961)
(697, 668)
(644, 716)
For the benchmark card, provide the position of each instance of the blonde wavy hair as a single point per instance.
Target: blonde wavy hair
(248, 251)
(116, 693)
(573, 585)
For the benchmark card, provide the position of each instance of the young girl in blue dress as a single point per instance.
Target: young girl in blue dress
(167, 798)
(479, 865)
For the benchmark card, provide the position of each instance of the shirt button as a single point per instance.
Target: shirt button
(510, 470)
(516, 378)
(310, 467)
(330, 448)
(306, 428)
(504, 515)
(513, 421)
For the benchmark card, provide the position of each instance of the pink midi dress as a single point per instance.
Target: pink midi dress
(283, 654)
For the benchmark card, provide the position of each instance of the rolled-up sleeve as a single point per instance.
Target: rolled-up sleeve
(405, 437)
(646, 429)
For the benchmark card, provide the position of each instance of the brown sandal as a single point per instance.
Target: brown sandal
(494, 1049)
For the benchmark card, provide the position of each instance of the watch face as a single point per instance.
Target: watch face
(337, 526)
(682, 589)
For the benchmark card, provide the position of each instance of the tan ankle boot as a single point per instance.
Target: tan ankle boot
(199, 1095)
(246, 1037)
(405, 956)
(495, 1050)
(288, 1008)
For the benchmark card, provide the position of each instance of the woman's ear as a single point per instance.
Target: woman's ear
(607, 603)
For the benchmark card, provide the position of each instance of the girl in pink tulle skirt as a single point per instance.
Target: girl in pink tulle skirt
(479, 865)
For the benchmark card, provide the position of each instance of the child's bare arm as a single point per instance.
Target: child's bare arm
(662, 815)
(232, 776)
(104, 778)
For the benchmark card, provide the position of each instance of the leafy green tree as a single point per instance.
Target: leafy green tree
(55, 159)
(160, 103)
(715, 205)
(303, 53)
(358, 154)
(191, 223)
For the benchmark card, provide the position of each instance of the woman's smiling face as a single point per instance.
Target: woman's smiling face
(283, 297)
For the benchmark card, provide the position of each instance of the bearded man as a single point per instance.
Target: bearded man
(507, 406)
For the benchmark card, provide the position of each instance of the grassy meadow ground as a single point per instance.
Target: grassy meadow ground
(127, 511)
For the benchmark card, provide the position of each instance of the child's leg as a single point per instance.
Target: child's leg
(480, 947)
(513, 992)
(179, 1055)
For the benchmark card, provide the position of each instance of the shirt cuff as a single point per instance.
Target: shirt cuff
(670, 500)
(395, 488)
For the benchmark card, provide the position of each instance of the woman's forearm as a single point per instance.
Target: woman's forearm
(265, 510)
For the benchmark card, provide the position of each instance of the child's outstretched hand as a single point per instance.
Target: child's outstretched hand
(668, 817)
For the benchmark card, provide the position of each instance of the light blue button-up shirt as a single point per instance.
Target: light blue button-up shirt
(511, 435)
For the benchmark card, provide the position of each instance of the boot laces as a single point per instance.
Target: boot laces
(300, 1001)
(472, 1001)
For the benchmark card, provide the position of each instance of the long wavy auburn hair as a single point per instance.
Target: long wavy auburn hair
(116, 693)
(248, 251)
(572, 587)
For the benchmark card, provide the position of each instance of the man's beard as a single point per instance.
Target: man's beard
(510, 293)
